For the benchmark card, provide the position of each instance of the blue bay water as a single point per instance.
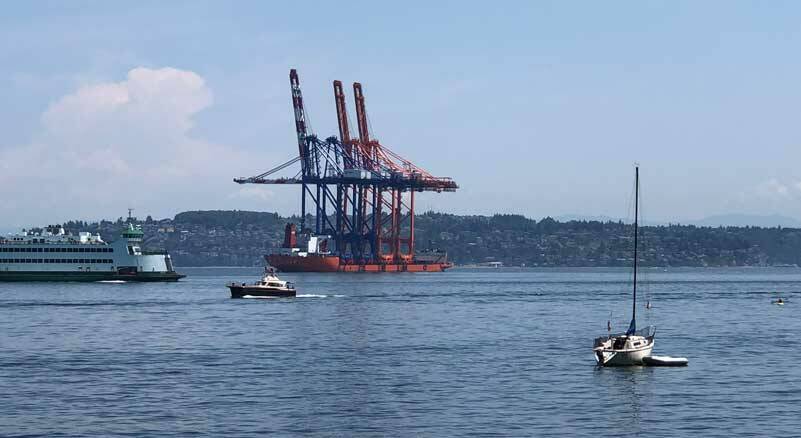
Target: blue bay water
(481, 353)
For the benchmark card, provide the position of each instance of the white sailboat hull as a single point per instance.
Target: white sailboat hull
(611, 358)
(623, 350)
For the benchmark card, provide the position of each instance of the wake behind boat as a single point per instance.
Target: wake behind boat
(631, 347)
(269, 286)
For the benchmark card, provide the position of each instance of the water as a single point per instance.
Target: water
(484, 353)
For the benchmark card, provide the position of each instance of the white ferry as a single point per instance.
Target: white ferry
(51, 254)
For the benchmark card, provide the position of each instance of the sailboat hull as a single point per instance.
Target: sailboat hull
(613, 358)
(624, 350)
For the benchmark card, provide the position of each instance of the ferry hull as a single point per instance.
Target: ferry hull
(330, 263)
(88, 276)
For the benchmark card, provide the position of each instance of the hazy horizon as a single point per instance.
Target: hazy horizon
(535, 109)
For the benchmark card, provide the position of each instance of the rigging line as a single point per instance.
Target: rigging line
(277, 168)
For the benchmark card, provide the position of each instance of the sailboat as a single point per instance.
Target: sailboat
(631, 347)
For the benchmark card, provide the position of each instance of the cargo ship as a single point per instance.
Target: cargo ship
(51, 254)
(310, 253)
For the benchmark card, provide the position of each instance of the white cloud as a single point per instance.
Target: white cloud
(253, 193)
(108, 146)
(773, 189)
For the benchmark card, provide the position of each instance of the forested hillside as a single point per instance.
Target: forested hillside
(204, 238)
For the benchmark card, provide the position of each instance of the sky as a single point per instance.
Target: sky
(537, 108)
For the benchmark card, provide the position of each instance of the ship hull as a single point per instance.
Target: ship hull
(253, 291)
(330, 263)
(88, 276)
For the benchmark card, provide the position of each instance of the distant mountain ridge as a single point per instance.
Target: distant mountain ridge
(725, 220)
(747, 220)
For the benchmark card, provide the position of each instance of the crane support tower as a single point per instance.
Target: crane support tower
(360, 195)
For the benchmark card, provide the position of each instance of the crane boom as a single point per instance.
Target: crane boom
(300, 119)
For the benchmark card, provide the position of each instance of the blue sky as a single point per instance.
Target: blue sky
(537, 108)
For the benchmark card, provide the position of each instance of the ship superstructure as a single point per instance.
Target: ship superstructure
(51, 254)
(361, 195)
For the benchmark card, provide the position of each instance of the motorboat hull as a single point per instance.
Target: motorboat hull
(254, 291)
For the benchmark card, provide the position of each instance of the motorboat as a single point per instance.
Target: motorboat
(269, 286)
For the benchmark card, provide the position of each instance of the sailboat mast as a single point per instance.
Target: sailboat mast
(636, 226)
